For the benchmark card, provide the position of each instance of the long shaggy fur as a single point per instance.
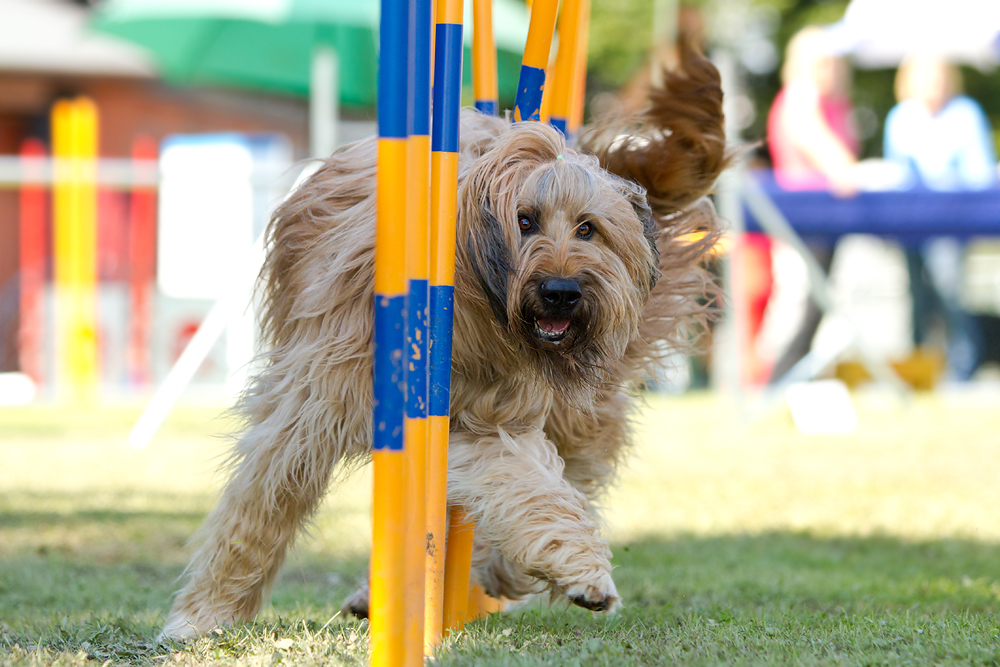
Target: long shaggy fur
(541, 393)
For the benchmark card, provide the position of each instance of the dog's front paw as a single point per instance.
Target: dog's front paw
(598, 594)
(356, 603)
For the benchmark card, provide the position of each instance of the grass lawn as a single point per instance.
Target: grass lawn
(734, 543)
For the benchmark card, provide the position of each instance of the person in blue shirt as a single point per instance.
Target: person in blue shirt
(945, 140)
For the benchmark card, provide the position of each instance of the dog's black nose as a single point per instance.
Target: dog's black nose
(560, 294)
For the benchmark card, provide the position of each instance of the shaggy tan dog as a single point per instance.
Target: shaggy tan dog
(571, 278)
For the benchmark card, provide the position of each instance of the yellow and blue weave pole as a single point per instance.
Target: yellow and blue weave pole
(417, 263)
(531, 82)
(387, 609)
(484, 58)
(573, 19)
(444, 206)
(74, 146)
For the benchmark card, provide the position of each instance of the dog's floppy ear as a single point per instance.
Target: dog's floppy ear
(490, 261)
(636, 196)
(676, 148)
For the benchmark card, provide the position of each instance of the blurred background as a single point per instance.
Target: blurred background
(143, 144)
(817, 486)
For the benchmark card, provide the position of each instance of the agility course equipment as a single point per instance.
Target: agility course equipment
(74, 237)
(420, 578)
(444, 205)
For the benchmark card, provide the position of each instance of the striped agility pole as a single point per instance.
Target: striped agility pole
(531, 82)
(387, 609)
(572, 38)
(444, 205)
(484, 58)
(418, 154)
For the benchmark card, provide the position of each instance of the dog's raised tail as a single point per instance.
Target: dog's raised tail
(675, 148)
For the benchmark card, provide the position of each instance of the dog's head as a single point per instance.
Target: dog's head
(562, 251)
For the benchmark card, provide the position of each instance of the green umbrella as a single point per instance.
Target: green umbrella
(302, 47)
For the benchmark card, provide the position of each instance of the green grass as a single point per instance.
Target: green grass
(734, 543)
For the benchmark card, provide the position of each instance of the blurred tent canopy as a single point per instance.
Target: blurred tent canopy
(325, 49)
(881, 33)
(270, 44)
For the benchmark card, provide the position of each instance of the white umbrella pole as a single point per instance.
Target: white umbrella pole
(323, 99)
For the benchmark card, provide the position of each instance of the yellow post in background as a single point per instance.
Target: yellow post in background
(74, 147)
(484, 58)
(481, 604)
(456, 590)
(580, 82)
(573, 19)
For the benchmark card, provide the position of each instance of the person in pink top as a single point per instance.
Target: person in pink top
(813, 146)
(810, 129)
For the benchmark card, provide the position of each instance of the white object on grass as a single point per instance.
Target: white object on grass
(16, 389)
(822, 407)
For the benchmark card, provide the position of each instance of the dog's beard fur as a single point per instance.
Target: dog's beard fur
(538, 425)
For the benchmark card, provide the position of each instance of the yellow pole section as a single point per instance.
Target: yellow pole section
(458, 564)
(74, 139)
(580, 80)
(481, 604)
(484, 58)
(564, 79)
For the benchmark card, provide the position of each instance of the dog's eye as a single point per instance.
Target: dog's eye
(526, 224)
(584, 231)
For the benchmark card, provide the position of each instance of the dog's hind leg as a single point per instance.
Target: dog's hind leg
(513, 487)
(278, 475)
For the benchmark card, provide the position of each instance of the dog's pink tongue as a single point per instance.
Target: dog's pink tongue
(553, 326)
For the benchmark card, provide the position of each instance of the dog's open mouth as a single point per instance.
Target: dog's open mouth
(551, 329)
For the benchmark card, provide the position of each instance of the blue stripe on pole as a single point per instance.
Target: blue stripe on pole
(419, 63)
(447, 86)
(559, 123)
(392, 70)
(442, 312)
(488, 107)
(416, 349)
(529, 93)
(389, 387)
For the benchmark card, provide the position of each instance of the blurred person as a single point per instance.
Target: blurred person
(814, 146)
(810, 129)
(944, 138)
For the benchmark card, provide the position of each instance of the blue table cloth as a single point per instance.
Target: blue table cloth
(909, 215)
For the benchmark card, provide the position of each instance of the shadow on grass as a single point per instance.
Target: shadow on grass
(780, 597)
(73, 519)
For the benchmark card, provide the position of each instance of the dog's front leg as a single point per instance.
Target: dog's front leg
(513, 487)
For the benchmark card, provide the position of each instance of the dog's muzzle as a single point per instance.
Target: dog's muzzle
(559, 298)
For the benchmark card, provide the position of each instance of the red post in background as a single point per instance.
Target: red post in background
(33, 254)
(142, 260)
